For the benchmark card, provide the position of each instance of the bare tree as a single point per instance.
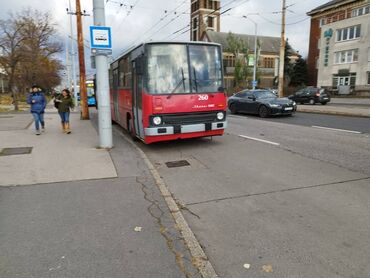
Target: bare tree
(11, 55)
(28, 51)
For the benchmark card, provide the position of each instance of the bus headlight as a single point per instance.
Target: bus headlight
(220, 116)
(157, 120)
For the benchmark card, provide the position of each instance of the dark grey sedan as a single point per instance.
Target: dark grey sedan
(261, 102)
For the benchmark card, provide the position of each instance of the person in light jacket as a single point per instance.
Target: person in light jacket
(37, 101)
(65, 103)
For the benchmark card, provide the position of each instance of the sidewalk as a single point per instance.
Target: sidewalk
(55, 157)
(352, 109)
(81, 211)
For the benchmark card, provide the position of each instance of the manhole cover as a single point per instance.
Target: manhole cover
(178, 163)
(15, 151)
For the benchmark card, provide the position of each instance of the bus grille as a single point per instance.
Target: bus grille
(189, 118)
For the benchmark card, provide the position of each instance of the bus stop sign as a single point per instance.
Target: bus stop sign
(100, 37)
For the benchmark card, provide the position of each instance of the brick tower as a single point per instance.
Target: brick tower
(205, 15)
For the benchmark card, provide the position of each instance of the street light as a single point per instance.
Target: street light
(255, 52)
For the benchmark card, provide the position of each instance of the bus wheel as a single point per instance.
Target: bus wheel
(130, 129)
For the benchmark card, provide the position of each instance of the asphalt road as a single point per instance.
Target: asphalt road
(309, 119)
(271, 199)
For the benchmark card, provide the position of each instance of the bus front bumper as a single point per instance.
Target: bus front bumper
(183, 129)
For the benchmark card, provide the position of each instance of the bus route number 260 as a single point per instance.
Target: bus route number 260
(202, 97)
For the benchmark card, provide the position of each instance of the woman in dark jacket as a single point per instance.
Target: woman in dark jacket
(38, 103)
(65, 104)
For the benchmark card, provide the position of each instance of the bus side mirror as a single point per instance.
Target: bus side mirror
(221, 89)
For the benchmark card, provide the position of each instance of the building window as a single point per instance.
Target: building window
(368, 78)
(345, 57)
(348, 33)
(195, 29)
(211, 20)
(322, 22)
(211, 4)
(194, 6)
(268, 63)
(361, 11)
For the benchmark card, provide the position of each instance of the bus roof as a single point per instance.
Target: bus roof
(163, 42)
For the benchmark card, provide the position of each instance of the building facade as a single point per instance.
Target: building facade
(339, 51)
(267, 61)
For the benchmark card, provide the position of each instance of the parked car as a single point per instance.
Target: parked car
(311, 95)
(261, 102)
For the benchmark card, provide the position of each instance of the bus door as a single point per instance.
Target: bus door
(115, 96)
(137, 88)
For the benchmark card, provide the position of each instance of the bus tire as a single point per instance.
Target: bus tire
(130, 129)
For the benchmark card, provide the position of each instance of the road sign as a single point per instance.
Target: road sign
(100, 37)
(254, 83)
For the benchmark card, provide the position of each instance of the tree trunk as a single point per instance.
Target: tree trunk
(13, 93)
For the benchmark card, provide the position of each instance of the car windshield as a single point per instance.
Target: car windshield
(264, 94)
(169, 71)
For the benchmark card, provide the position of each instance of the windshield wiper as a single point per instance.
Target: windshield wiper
(195, 80)
(179, 83)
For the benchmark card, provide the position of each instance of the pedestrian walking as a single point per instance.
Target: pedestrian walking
(64, 103)
(37, 100)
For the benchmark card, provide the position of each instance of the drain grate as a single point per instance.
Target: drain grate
(15, 151)
(178, 163)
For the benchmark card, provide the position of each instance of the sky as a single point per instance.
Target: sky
(135, 21)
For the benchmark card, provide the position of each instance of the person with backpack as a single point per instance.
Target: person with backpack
(37, 100)
(64, 104)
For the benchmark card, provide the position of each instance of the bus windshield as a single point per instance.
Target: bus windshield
(170, 72)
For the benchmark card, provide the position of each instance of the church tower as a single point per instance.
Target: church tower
(205, 15)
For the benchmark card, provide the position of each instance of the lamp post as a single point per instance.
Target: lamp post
(255, 52)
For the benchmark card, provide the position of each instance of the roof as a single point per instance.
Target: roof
(268, 44)
(330, 4)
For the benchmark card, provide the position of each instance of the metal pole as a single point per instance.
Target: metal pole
(81, 58)
(73, 58)
(68, 64)
(255, 51)
(282, 53)
(255, 56)
(102, 84)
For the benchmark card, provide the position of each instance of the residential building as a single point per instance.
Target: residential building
(268, 57)
(339, 51)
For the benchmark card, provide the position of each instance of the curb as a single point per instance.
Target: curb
(339, 113)
(199, 258)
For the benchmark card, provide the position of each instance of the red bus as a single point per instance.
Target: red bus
(163, 91)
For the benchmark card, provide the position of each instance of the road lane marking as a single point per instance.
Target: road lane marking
(260, 140)
(337, 129)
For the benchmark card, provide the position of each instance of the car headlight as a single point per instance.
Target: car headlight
(220, 116)
(157, 120)
(275, 105)
(294, 103)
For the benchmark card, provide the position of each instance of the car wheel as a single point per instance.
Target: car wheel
(324, 103)
(263, 111)
(301, 103)
(232, 108)
(312, 101)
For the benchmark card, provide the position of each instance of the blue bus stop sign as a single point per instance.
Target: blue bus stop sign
(100, 37)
